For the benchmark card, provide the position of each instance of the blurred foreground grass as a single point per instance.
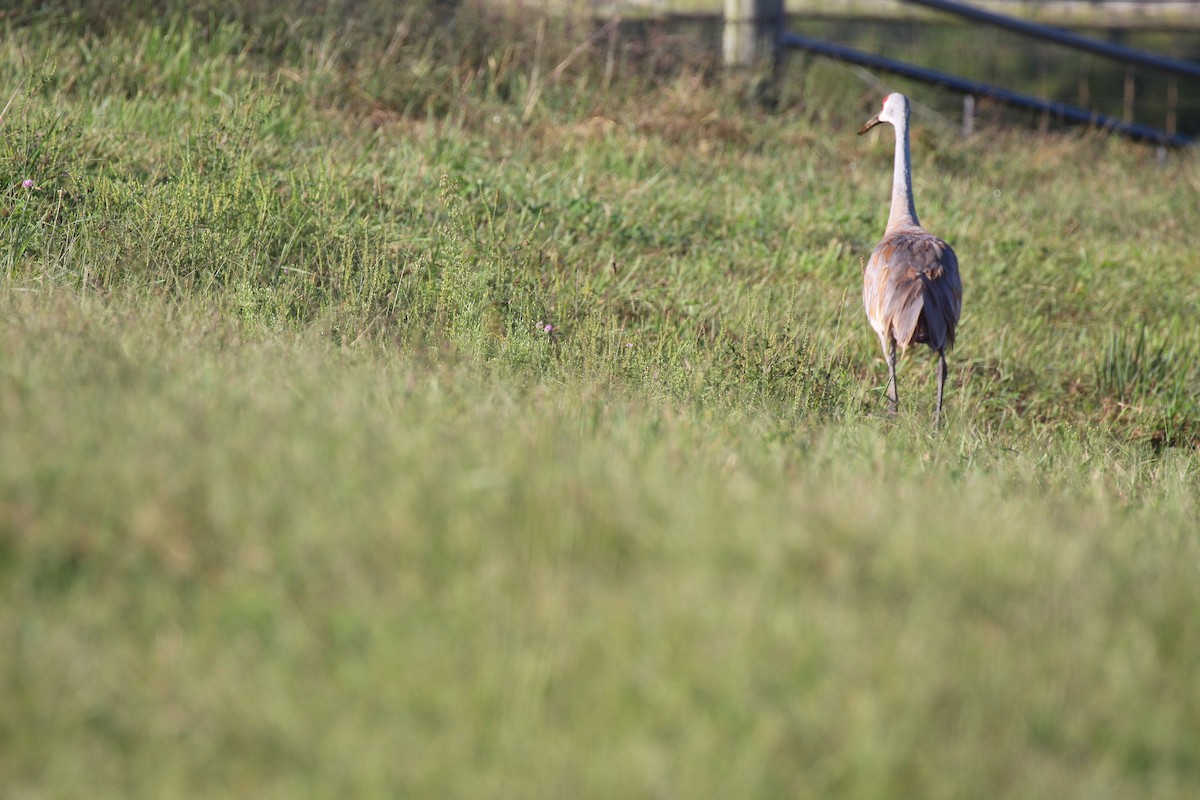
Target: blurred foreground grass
(280, 566)
(299, 496)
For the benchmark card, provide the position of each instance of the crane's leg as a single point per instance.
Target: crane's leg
(893, 392)
(943, 370)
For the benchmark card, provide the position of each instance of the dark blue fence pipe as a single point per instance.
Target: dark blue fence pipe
(1133, 130)
(1187, 69)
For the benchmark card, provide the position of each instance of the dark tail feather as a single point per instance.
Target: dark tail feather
(937, 323)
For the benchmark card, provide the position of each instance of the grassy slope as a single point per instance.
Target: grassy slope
(297, 500)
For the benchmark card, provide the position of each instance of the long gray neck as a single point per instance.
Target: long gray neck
(903, 213)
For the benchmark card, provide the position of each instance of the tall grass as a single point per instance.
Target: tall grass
(388, 407)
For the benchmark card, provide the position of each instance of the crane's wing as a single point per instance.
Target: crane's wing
(915, 291)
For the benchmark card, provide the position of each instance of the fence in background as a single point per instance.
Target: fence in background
(755, 29)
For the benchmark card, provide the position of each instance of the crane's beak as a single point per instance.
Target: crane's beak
(871, 123)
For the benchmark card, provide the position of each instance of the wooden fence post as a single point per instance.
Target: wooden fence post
(1172, 104)
(1127, 106)
(752, 29)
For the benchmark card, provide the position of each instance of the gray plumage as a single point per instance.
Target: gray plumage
(911, 289)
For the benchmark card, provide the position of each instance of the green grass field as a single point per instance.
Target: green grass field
(300, 497)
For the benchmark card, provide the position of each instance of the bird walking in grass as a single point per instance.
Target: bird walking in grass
(911, 289)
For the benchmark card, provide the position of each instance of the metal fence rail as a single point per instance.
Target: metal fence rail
(1128, 55)
(1062, 111)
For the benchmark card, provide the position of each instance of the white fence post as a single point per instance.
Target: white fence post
(752, 29)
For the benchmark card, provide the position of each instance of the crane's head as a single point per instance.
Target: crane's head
(895, 110)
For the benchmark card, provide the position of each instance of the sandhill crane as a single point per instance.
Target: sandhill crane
(911, 289)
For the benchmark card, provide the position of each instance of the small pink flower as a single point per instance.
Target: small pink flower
(548, 328)
(27, 183)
